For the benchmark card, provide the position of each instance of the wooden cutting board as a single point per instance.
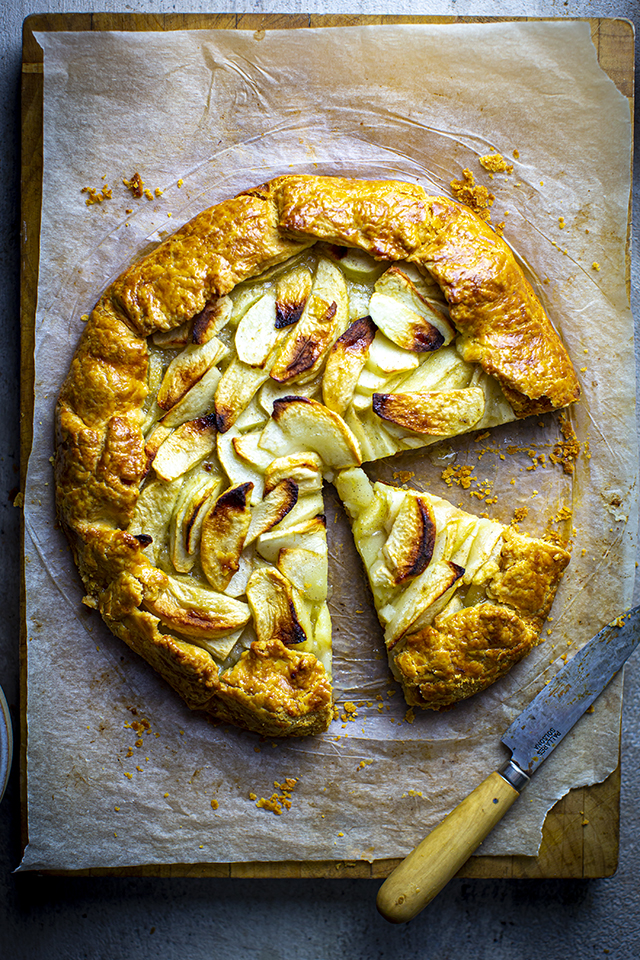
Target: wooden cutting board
(581, 832)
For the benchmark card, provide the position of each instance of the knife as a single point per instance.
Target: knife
(531, 738)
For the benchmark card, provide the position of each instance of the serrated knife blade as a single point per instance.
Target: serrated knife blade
(531, 738)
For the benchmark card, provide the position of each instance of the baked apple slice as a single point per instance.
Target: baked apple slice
(186, 369)
(406, 317)
(223, 533)
(436, 413)
(185, 447)
(345, 361)
(302, 424)
(324, 318)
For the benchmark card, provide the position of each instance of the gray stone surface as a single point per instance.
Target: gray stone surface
(309, 920)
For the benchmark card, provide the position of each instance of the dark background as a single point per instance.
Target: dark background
(113, 918)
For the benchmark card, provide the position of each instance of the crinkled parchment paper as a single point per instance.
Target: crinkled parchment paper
(119, 771)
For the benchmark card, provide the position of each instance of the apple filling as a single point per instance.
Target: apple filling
(250, 402)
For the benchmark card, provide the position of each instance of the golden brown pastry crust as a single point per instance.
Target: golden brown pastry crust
(466, 652)
(502, 322)
(100, 458)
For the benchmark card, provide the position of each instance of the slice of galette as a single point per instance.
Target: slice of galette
(461, 598)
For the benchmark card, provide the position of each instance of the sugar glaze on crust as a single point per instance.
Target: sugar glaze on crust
(102, 458)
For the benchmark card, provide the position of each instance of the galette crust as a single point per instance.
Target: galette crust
(463, 654)
(100, 452)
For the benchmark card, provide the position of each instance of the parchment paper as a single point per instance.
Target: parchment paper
(119, 771)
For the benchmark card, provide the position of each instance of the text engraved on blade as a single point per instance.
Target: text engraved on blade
(547, 741)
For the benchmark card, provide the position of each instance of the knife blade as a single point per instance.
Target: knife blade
(532, 737)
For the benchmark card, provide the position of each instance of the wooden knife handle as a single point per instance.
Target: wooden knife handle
(423, 874)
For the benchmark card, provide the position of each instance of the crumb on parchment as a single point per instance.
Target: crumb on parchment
(97, 196)
(474, 195)
(403, 476)
(350, 712)
(496, 163)
(280, 799)
(135, 185)
(566, 451)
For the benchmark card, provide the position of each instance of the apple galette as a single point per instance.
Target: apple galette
(281, 337)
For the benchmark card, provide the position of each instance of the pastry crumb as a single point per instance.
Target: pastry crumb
(403, 475)
(279, 800)
(97, 196)
(460, 475)
(496, 163)
(135, 185)
(567, 450)
(473, 195)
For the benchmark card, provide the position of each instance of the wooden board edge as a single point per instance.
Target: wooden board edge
(605, 808)
(30, 206)
(576, 822)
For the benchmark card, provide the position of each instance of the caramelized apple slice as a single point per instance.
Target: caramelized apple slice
(409, 548)
(292, 292)
(272, 391)
(211, 320)
(305, 469)
(439, 414)
(197, 402)
(185, 447)
(310, 535)
(299, 424)
(154, 441)
(274, 508)
(186, 369)
(197, 612)
(344, 364)
(223, 533)
(269, 595)
(407, 318)
(325, 316)
(195, 492)
(422, 600)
